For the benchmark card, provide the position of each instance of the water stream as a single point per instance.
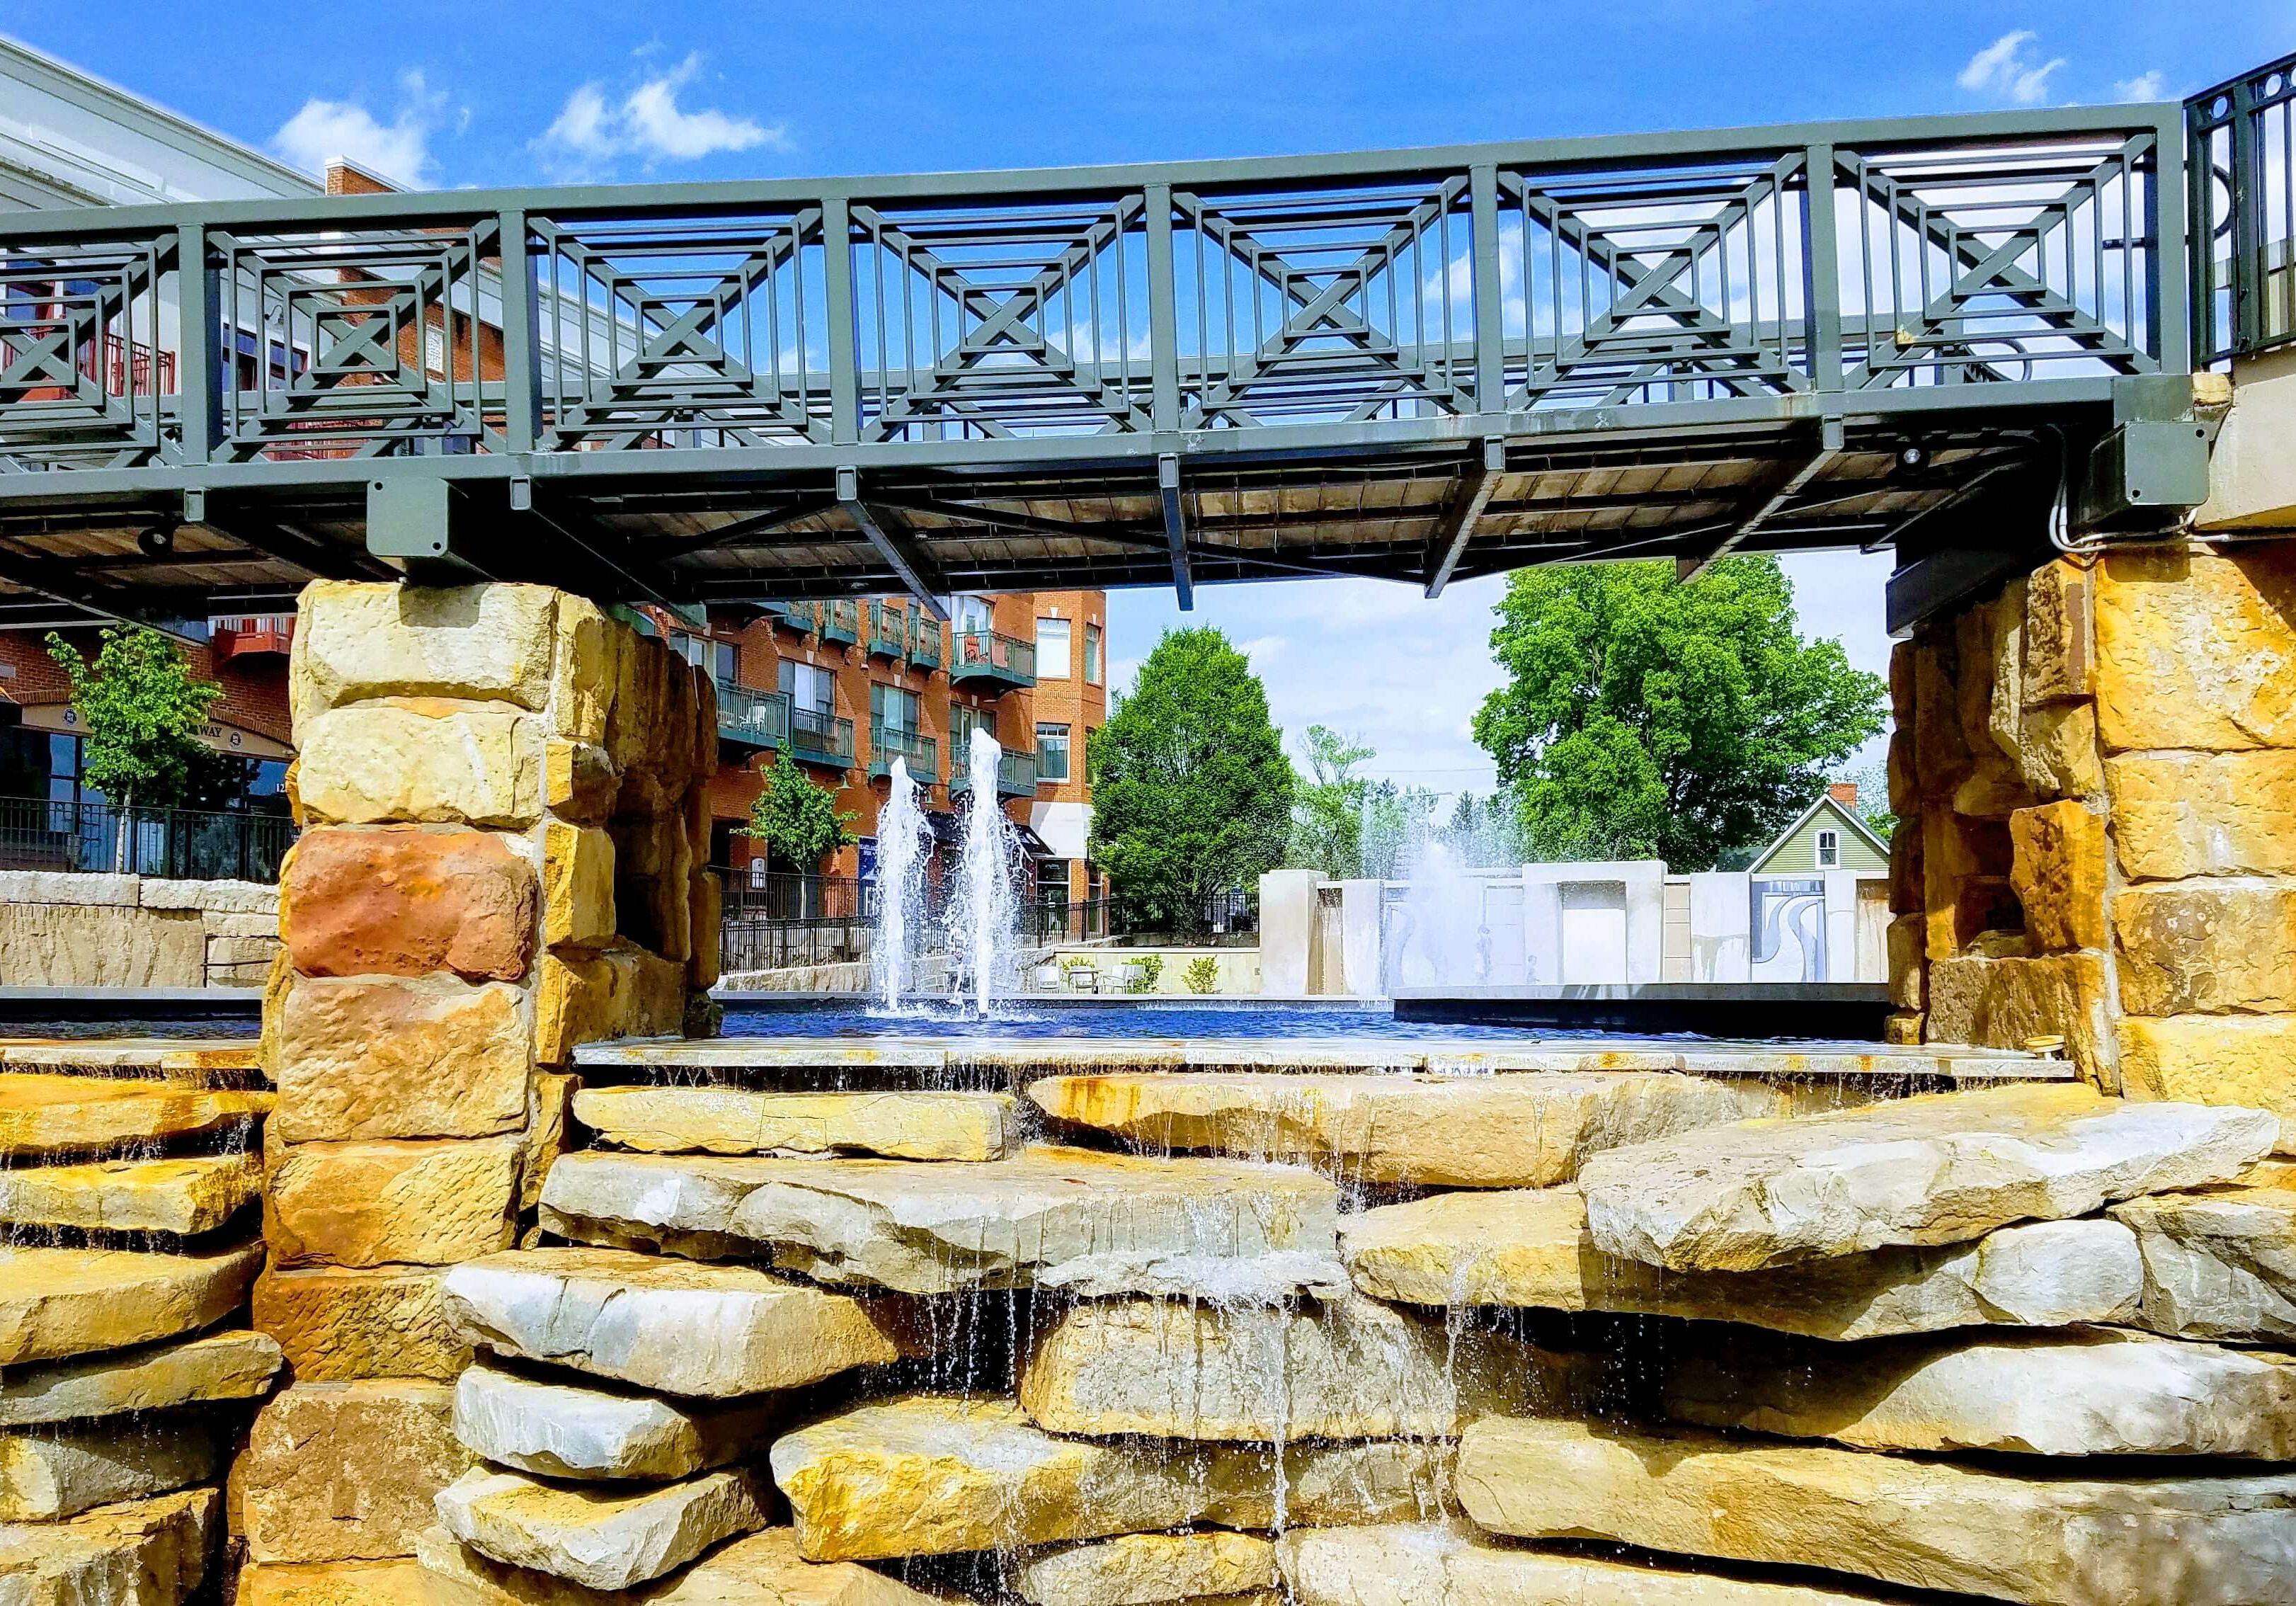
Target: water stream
(903, 844)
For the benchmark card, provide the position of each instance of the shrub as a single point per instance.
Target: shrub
(1150, 972)
(1202, 975)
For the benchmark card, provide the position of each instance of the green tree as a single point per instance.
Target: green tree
(1327, 806)
(797, 821)
(1192, 793)
(140, 713)
(1643, 717)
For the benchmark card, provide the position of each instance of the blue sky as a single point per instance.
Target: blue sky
(471, 94)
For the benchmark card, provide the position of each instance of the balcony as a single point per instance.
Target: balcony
(987, 661)
(246, 635)
(888, 632)
(820, 738)
(841, 622)
(1016, 776)
(923, 752)
(804, 618)
(753, 719)
(925, 642)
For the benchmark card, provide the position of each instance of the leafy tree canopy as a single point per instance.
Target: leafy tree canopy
(1327, 806)
(1192, 793)
(797, 821)
(1644, 717)
(140, 711)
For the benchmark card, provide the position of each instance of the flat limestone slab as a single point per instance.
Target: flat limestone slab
(398, 1582)
(2221, 1263)
(557, 1431)
(1469, 1132)
(215, 1366)
(2093, 1391)
(940, 1228)
(1430, 1564)
(670, 1324)
(1531, 1249)
(2065, 1541)
(1350, 1369)
(732, 1120)
(202, 1061)
(1148, 1569)
(43, 1114)
(934, 1474)
(188, 1194)
(1941, 1168)
(46, 1473)
(598, 1538)
(760, 1569)
(142, 1552)
(56, 1302)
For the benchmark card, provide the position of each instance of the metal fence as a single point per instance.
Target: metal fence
(2242, 166)
(1063, 920)
(789, 895)
(180, 844)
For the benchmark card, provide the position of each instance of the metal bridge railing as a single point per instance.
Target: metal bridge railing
(1371, 298)
(2241, 165)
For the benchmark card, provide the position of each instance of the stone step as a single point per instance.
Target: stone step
(559, 1431)
(45, 1113)
(1531, 1249)
(670, 1324)
(188, 1194)
(58, 1302)
(936, 1475)
(2094, 1391)
(601, 1538)
(2096, 1540)
(731, 1120)
(1469, 1132)
(191, 1061)
(1943, 1168)
(52, 1472)
(944, 1227)
(215, 1366)
(1351, 1368)
(1149, 1569)
(760, 1569)
(139, 1552)
(2221, 1263)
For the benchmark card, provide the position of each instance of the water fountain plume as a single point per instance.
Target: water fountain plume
(984, 915)
(904, 842)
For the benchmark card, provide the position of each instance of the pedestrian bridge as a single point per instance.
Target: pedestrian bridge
(1416, 365)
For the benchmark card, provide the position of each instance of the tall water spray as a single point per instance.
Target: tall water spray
(984, 916)
(904, 842)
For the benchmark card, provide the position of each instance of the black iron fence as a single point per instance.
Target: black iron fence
(181, 844)
(773, 945)
(2242, 166)
(788, 896)
(1061, 920)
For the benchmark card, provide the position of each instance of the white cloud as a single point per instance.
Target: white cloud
(590, 131)
(2144, 87)
(398, 150)
(2006, 69)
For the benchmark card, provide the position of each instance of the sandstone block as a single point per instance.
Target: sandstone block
(1352, 1369)
(588, 999)
(731, 1120)
(556, 1430)
(705, 906)
(579, 782)
(1527, 1132)
(44, 1114)
(2206, 949)
(346, 1472)
(2099, 1541)
(2001, 1002)
(584, 669)
(1150, 1570)
(423, 761)
(598, 1539)
(2219, 1263)
(356, 640)
(2214, 1059)
(2056, 750)
(216, 1367)
(371, 1058)
(55, 1472)
(934, 1229)
(389, 1200)
(1908, 965)
(398, 1582)
(2059, 873)
(339, 1323)
(2204, 814)
(83, 945)
(2092, 1391)
(672, 1326)
(1940, 1168)
(577, 885)
(406, 901)
(57, 1302)
(190, 1194)
(141, 1553)
(549, 1118)
(68, 887)
(1532, 1249)
(927, 1475)
(2190, 648)
(758, 1570)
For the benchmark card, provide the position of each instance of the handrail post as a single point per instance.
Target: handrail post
(1490, 310)
(199, 404)
(521, 353)
(1821, 269)
(2168, 292)
(1163, 312)
(844, 350)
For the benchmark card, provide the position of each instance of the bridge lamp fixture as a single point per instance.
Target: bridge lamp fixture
(158, 541)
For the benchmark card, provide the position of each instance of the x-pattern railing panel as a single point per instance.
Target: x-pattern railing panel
(66, 315)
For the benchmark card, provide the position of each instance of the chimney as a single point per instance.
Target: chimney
(1844, 792)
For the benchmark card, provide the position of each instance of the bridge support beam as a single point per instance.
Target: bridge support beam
(1460, 514)
(1780, 495)
(902, 553)
(1175, 530)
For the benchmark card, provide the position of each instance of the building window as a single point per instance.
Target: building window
(1052, 649)
(809, 689)
(972, 613)
(962, 722)
(892, 710)
(1092, 655)
(1051, 752)
(1829, 850)
(1052, 881)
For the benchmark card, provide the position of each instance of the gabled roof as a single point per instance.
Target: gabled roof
(1824, 800)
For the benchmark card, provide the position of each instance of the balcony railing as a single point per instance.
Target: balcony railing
(984, 658)
(801, 616)
(819, 738)
(245, 635)
(888, 632)
(923, 752)
(181, 844)
(1016, 776)
(841, 622)
(925, 638)
(2240, 135)
(758, 719)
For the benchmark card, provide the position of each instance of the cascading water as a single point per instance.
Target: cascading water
(904, 842)
(984, 915)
